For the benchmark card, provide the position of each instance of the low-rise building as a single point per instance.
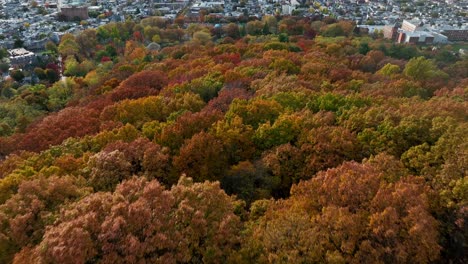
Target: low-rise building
(70, 13)
(417, 37)
(411, 25)
(21, 57)
(456, 34)
(391, 32)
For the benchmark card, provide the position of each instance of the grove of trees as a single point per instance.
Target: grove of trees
(278, 141)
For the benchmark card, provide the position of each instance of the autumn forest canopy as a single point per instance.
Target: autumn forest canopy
(281, 140)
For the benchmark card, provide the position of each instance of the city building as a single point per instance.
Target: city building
(455, 34)
(391, 32)
(417, 37)
(74, 13)
(20, 57)
(411, 25)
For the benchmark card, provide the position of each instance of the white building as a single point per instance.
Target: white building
(21, 57)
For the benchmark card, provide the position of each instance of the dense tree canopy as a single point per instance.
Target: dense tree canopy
(284, 140)
(356, 216)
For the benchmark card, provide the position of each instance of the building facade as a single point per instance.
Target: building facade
(71, 13)
(456, 34)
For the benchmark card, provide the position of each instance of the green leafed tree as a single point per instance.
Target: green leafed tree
(68, 46)
(422, 69)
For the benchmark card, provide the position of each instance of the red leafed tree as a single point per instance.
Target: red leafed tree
(143, 222)
(24, 217)
(225, 98)
(52, 130)
(234, 58)
(137, 36)
(140, 84)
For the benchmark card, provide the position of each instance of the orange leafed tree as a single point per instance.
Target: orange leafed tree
(350, 214)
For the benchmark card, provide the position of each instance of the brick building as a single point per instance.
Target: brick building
(391, 32)
(456, 34)
(71, 13)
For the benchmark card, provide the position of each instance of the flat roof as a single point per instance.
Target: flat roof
(19, 52)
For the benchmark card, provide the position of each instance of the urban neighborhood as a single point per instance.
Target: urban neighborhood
(233, 131)
(26, 27)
